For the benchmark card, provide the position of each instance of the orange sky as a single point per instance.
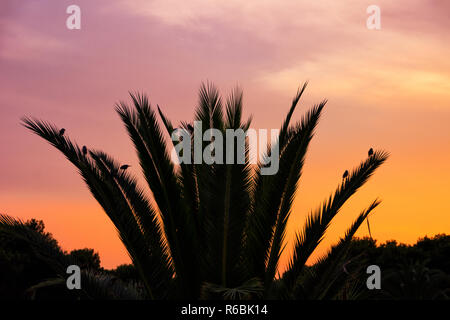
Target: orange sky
(387, 88)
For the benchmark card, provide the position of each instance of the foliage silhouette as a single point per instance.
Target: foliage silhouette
(215, 231)
(29, 255)
(414, 272)
(86, 258)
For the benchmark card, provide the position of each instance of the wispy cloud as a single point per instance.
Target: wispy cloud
(22, 43)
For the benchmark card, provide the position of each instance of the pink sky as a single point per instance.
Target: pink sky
(387, 88)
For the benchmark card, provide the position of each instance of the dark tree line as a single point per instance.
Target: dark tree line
(22, 267)
(418, 271)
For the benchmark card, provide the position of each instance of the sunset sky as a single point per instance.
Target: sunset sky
(388, 89)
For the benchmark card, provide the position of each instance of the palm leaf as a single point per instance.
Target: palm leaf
(328, 277)
(273, 195)
(159, 172)
(318, 221)
(104, 188)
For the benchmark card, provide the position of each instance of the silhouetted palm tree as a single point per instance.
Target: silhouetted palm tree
(216, 231)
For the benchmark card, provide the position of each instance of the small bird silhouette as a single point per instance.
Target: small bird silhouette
(61, 132)
(345, 175)
(370, 152)
(190, 128)
(125, 167)
(84, 150)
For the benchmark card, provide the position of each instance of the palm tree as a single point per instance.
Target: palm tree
(216, 231)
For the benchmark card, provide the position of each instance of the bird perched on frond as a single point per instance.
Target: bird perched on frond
(62, 131)
(84, 150)
(345, 175)
(370, 152)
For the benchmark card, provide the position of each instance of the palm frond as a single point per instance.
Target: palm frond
(250, 290)
(273, 195)
(209, 110)
(159, 172)
(318, 221)
(158, 262)
(329, 275)
(285, 125)
(102, 286)
(104, 188)
(292, 157)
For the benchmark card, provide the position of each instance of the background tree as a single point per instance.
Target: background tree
(418, 271)
(32, 265)
(86, 258)
(27, 257)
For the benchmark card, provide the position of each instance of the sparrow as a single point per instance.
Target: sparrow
(345, 175)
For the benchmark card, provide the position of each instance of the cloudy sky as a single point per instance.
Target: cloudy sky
(387, 88)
